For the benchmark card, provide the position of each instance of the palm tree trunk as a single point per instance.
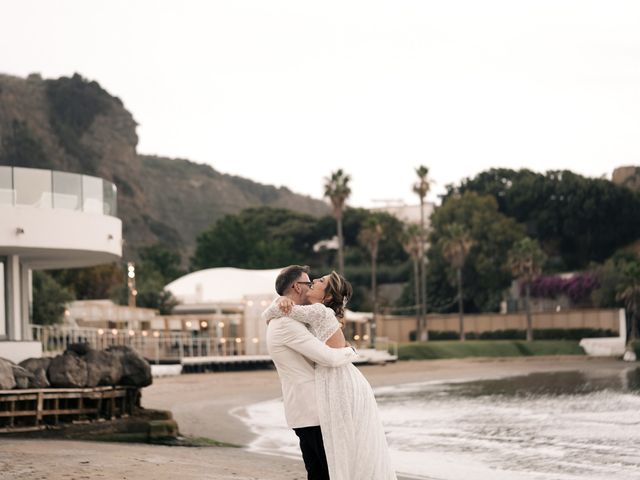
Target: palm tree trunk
(460, 307)
(425, 317)
(374, 288)
(416, 278)
(340, 246)
(527, 297)
(421, 333)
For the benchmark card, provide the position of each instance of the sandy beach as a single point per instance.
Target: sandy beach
(201, 403)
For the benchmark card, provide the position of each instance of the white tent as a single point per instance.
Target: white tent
(223, 285)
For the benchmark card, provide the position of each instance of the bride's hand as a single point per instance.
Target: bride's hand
(285, 304)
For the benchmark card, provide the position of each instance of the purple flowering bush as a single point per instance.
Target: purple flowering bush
(577, 288)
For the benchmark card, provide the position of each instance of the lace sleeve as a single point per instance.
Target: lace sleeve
(272, 311)
(321, 320)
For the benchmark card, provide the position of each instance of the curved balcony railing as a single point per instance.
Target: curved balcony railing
(39, 188)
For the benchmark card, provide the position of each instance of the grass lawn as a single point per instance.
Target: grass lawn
(486, 348)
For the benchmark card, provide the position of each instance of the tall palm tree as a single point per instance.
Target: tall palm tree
(421, 188)
(370, 237)
(336, 188)
(411, 244)
(526, 259)
(629, 293)
(456, 244)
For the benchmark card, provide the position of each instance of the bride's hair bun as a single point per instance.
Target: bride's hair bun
(339, 291)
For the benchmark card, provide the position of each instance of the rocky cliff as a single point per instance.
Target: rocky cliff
(74, 125)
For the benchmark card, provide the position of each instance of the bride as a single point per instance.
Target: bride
(354, 441)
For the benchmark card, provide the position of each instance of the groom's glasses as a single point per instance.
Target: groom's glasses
(308, 284)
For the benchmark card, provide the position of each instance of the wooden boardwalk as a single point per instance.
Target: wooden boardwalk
(37, 409)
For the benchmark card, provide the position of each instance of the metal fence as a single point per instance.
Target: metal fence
(155, 346)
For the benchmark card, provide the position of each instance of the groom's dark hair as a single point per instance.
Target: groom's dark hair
(289, 275)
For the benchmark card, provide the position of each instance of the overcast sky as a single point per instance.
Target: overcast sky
(284, 92)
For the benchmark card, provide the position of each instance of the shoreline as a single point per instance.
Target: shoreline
(202, 402)
(202, 405)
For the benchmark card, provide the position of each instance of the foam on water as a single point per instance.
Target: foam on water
(458, 431)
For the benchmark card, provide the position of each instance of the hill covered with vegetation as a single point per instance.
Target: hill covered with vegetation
(74, 125)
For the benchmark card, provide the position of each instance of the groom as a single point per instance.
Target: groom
(295, 351)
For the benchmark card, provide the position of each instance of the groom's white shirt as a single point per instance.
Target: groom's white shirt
(295, 351)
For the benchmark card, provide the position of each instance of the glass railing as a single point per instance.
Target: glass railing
(52, 189)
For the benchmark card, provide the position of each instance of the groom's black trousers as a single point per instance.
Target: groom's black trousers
(315, 460)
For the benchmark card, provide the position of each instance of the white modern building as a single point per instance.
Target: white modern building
(240, 294)
(48, 220)
(232, 301)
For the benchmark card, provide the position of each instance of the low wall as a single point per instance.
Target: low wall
(399, 327)
(20, 350)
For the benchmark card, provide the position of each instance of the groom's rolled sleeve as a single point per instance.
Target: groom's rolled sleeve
(298, 338)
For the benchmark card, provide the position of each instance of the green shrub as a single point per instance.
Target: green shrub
(512, 334)
(486, 348)
(49, 299)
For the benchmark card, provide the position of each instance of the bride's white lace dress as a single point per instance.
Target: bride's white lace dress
(354, 440)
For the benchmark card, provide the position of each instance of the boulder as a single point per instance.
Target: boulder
(68, 370)
(80, 348)
(23, 376)
(7, 380)
(38, 367)
(103, 368)
(136, 371)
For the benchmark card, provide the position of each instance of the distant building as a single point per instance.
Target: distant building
(48, 220)
(628, 176)
(409, 213)
(228, 302)
(107, 315)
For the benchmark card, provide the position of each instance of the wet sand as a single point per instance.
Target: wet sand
(201, 404)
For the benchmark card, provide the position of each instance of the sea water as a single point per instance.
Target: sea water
(560, 426)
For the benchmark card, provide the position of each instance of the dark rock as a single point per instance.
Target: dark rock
(68, 370)
(79, 348)
(38, 367)
(136, 371)
(103, 368)
(7, 380)
(22, 376)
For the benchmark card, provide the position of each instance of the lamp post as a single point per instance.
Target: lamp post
(131, 284)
